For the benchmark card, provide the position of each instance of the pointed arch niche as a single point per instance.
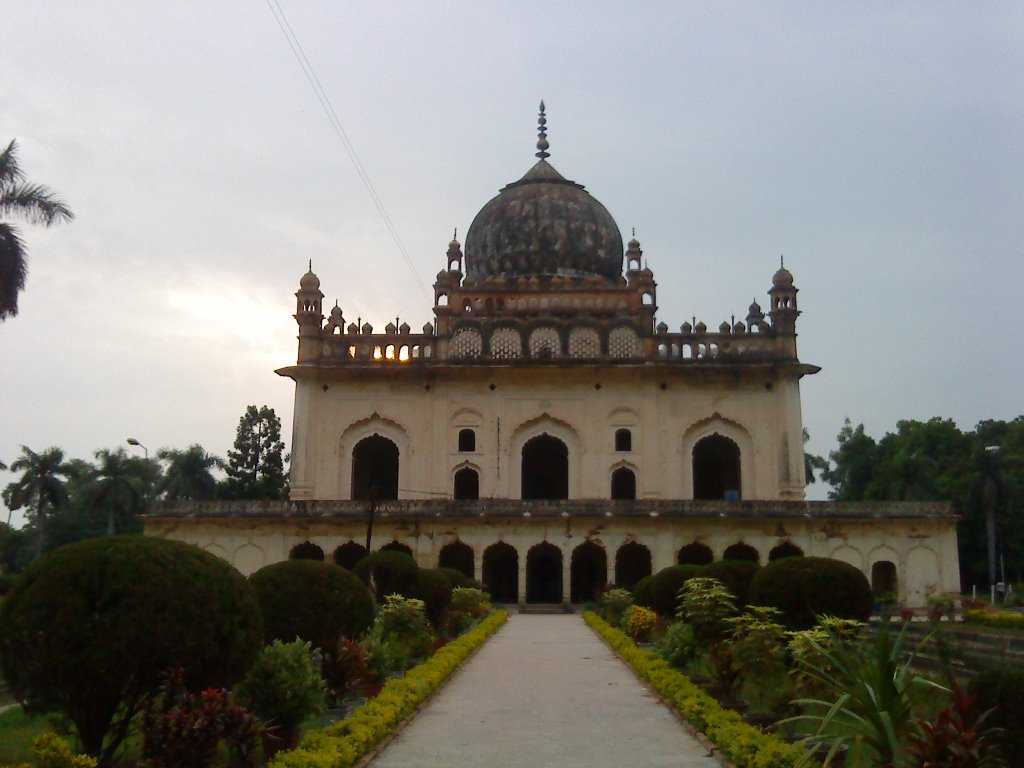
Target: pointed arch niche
(717, 425)
(374, 426)
(543, 426)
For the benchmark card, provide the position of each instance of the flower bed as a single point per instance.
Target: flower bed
(745, 746)
(344, 743)
(996, 619)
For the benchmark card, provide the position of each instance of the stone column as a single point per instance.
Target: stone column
(478, 565)
(567, 577)
(522, 576)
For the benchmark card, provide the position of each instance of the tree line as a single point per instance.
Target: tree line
(66, 500)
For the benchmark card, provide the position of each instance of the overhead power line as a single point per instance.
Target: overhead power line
(332, 116)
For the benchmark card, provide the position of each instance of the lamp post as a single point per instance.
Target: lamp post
(132, 441)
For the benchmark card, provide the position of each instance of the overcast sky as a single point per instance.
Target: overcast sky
(878, 145)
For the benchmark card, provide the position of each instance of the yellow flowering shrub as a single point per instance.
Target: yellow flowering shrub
(639, 622)
(51, 751)
(744, 745)
(344, 743)
(995, 619)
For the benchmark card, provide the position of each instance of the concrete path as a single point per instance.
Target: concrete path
(544, 691)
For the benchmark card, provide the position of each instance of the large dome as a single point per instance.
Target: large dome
(543, 224)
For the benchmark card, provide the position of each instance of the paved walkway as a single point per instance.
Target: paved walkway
(544, 691)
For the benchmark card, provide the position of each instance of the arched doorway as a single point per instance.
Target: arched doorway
(501, 572)
(457, 555)
(632, 563)
(306, 551)
(589, 572)
(883, 579)
(623, 483)
(397, 546)
(544, 574)
(716, 469)
(467, 484)
(741, 552)
(545, 470)
(695, 554)
(375, 469)
(348, 554)
(785, 549)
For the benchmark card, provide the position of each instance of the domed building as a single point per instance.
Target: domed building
(548, 436)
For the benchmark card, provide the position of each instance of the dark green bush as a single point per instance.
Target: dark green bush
(435, 590)
(458, 579)
(312, 600)
(804, 588)
(6, 583)
(642, 591)
(391, 573)
(1002, 689)
(661, 592)
(735, 574)
(91, 628)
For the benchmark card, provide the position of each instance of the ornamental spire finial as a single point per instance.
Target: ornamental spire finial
(542, 134)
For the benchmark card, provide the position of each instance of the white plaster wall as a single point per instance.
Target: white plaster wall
(667, 413)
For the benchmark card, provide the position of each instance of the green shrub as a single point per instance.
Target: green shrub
(344, 743)
(745, 746)
(90, 629)
(284, 686)
(404, 620)
(389, 573)
(51, 751)
(735, 574)
(458, 579)
(706, 605)
(435, 589)
(614, 603)
(662, 590)
(6, 583)
(679, 645)
(1003, 690)
(804, 588)
(312, 600)
(468, 605)
(642, 591)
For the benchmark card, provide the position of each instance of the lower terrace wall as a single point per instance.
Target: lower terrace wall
(918, 539)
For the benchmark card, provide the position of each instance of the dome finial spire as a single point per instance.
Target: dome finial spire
(542, 134)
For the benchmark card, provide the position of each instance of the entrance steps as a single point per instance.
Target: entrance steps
(545, 608)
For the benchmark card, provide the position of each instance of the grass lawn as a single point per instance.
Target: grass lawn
(17, 732)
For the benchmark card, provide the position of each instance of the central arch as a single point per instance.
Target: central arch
(544, 574)
(589, 572)
(375, 469)
(716, 468)
(545, 468)
(501, 572)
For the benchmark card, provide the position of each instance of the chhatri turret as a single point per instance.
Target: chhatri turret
(309, 316)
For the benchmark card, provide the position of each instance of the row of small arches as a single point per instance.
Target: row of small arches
(387, 353)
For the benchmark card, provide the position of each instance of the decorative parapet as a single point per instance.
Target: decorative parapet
(515, 508)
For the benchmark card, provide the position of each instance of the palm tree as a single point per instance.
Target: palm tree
(189, 473)
(33, 203)
(40, 487)
(116, 484)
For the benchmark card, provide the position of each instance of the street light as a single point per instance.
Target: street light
(137, 444)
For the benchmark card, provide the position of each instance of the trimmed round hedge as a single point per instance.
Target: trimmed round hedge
(313, 600)
(735, 574)
(435, 589)
(91, 628)
(661, 592)
(804, 588)
(389, 573)
(458, 579)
